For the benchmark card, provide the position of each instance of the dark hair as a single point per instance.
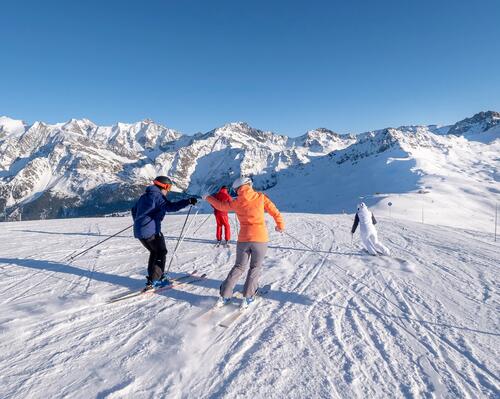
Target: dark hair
(223, 187)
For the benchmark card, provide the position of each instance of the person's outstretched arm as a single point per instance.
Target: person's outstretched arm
(270, 208)
(221, 205)
(176, 206)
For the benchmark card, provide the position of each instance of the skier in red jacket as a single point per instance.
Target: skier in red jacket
(222, 218)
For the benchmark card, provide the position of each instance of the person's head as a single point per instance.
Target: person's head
(163, 183)
(361, 206)
(240, 182)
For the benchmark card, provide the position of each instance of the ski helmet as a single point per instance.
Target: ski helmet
(361, 205)
(163, 182)
(241, 181)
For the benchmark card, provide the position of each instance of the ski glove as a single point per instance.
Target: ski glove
(278, 229)
(192, 201)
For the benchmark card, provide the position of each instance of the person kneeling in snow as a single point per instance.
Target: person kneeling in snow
(148, 213)
(367, 231)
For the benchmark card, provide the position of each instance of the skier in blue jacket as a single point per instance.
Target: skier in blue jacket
(148, 212)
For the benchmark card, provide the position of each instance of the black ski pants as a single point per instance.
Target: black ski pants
(157, 255)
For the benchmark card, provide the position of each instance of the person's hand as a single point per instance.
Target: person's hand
(192, 201)
(204, 197)
(279, 230)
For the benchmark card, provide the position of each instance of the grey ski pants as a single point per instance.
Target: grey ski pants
(245, 251)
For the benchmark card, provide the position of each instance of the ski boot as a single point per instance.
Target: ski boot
(149, 284)
(222, 301)
(218, 244)
(247, 302)
(162, 282)
(226, 244)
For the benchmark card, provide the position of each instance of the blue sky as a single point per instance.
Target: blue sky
(286, 66)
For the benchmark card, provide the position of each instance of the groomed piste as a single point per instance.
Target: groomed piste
(336, 323)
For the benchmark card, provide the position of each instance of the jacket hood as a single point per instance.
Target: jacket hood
(247, 192)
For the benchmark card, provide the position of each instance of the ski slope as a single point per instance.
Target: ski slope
(337, 322)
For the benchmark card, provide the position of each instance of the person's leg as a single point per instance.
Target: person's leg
(152, 256)
(258, 253)
(218, 233)
(381, 248)
(242, 258)
(227, 227)
(368, 244)
(161, 252)
(156, 265)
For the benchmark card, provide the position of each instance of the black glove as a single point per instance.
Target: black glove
(192, 201)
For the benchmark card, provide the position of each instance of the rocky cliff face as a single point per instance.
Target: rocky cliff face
(79, 168)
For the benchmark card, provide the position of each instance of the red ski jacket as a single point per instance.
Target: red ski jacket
(222, 196)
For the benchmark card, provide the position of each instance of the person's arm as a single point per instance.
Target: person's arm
(221, 205)
(175, 206)
(355, 224)
(270, 208)
(374, 221)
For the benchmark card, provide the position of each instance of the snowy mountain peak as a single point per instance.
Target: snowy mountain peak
(79, 168)
(9, 126)
(322, 140)
(480, 122)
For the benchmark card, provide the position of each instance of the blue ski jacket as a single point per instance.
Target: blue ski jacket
(149, 211)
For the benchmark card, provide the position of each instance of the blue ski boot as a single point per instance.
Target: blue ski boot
(162, 282)
(247, 302)
(222, 301)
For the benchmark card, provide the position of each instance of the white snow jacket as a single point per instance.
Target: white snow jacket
(366, 219)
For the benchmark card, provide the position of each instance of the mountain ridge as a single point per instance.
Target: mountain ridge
(60, 170)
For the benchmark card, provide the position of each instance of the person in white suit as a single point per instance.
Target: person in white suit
(368, 233)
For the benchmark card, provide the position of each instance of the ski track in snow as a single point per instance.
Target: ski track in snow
(337, 322)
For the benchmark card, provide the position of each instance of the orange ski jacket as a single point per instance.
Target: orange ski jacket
(249, 207)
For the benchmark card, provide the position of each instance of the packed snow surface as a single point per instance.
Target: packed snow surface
(337, 322)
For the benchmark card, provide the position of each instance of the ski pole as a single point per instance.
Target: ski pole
(202, 223)
(300, 242)
(179, 239)
(305, 245)
(72, 258)
(187, 231)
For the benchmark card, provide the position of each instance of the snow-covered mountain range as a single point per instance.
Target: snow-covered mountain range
(78, 168)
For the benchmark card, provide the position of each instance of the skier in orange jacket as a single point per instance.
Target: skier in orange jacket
(251, 248)
(221, 217)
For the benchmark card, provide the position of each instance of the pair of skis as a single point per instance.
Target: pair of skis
(176, 282)
(235, 314)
